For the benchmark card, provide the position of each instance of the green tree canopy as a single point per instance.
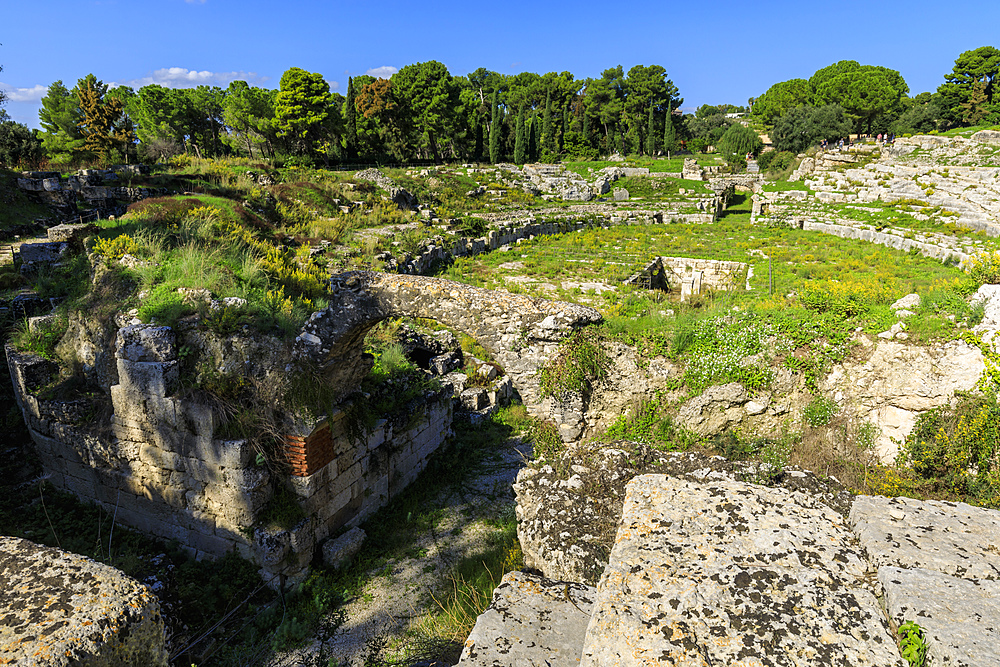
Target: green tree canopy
(304, 112)
(978, 66)
(59, 117)
(781, 97)
(248, 112)
(864, 91)
(429, 98)
(737, 141)
(19, 146)
(802, 127)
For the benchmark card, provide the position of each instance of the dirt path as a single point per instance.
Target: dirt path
(399, 597)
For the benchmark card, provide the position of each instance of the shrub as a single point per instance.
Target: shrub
(116, 248)
(776, 161)
(579, 361)
(984, 268)
(847, 298)
(958, 448)
(820, 411)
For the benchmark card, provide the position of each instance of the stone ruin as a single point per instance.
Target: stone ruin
(100, 189)
(161, 460)
(690, 275)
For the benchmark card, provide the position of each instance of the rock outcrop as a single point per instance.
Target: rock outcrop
(60, 609)
(401, 197)
(707, 569)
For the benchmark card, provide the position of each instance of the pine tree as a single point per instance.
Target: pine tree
(520, 145)
(547, 137)
(669, 134)
(351, 118)
(650, 135)
(495, 129)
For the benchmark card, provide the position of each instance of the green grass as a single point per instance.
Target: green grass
(785, 186)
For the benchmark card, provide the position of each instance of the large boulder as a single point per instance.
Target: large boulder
(568, 511)
(59, 608)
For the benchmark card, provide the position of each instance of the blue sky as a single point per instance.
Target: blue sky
(714, 52)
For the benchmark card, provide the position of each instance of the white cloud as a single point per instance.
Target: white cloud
(334, 85)
(33, 94)
(195, 2)
(383, 72)
(180, 77)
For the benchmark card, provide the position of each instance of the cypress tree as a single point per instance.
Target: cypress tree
(564, 128)
(547, 142)
(586, 128)
(669, 135)
(520, 145)
(533, 139)
(650, 135)
(495, 129)
(350, 115)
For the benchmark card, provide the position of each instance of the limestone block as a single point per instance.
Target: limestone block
(952, 538)
(531, 621)
(140, 379)
(60, 609)
(146, 342)
(730, 573)
(960, 618)
(339, 551)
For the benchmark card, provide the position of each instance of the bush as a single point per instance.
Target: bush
(847, 298)
(820, 411)
(958, 448)
(984, 269)
(579, 361)
(776, 161)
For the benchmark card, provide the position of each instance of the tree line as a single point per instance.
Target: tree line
(848, 97)
(422, 112)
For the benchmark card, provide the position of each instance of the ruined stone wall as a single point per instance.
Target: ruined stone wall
(360, 477)
(522, 333)
(690, 275)
(162, 468)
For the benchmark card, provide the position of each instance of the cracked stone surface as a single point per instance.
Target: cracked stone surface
(59, 608)
(960, 617)
(728, 573)
(568, 512)
(532, 622)
(951, 538)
